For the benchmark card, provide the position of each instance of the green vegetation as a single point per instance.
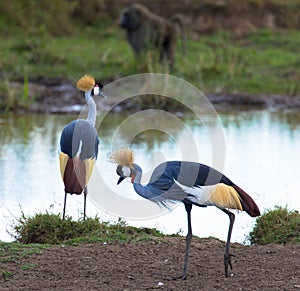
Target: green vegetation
(261, 62)
(51, 229)
(12, 252)
(64, 38)
(29, 266)
(6, 275)
(276, 226)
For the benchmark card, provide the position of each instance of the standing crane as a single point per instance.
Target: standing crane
(79, 144)
(190, 183)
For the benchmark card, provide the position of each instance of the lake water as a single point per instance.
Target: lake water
(258, 150)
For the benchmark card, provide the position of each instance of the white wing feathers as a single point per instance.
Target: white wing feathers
(198, 195)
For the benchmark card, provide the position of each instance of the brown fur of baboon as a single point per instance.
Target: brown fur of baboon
(146, 30)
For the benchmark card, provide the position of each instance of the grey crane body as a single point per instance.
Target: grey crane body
(79, 148)
(80, 137)
(162, 187)
(193, 184)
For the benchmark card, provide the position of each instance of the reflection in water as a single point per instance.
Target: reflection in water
(262, 153)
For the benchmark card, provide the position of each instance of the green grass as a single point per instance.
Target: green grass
(262, 62)
(6, 275)
(14, 251)
(62, 56)
(29, 266)
(46, 228)
(276, 226)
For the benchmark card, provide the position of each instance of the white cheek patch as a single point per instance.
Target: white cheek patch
(96, 90)
(126, 171)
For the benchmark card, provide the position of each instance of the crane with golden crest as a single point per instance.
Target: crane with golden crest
(191, 183)
(79, 144)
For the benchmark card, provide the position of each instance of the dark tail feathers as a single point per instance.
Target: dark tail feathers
(74, 176)
(247, 202)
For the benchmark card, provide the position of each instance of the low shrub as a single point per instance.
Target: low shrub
(276, 226)
(51, 229)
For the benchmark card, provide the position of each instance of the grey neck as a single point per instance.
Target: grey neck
(137, 174)
(92, 111)
(137, 179)
(143, 191)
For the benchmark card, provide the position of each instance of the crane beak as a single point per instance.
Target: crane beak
(103, 95)
(120, 180)
(97, 90)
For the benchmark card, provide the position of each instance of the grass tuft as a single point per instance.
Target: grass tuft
(51, 229)
(276, 226)
(6, 275)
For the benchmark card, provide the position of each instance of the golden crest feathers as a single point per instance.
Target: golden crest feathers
(123, 157)
(86, 83)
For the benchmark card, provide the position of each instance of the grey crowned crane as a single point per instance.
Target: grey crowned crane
(190, 183)
(79, 144)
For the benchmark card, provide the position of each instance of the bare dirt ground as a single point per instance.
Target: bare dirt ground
(147, 265)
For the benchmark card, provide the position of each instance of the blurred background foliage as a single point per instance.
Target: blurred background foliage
(62, 17)
(233, 46)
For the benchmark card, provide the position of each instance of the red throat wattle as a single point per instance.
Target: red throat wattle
(132, 179)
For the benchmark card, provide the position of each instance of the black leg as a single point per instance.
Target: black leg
(85, 191)
(188, 208)
(227, 255)
(65, 201)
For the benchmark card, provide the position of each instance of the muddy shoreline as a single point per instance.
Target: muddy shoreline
(61, 96)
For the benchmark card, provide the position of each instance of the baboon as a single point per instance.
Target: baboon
(146, 30)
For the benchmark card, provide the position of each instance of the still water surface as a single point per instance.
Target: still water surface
(261, 155)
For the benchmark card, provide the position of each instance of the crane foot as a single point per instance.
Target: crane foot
(180, 277)
(227, 262)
